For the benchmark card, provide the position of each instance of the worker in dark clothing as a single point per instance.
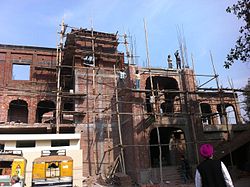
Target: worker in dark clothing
(178, 60)
(211, 173)
(185, 170)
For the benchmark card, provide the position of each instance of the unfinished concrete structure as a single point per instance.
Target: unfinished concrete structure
(141, 132)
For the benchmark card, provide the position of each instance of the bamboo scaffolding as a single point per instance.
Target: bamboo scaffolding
(223, 109)
(95, 73)
(119, 127)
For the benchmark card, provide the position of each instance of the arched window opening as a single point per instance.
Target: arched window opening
(18, 111)
(45, 111)
(172, 145)
(166, 100)
(230, 113)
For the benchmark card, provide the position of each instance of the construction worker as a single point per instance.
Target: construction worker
(185, 170)
(137, 79)
(122, 77)
(172, 149)
(170, 64)
(122, 74)
(178, 59)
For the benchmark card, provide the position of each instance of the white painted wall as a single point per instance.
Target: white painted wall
(43, 142)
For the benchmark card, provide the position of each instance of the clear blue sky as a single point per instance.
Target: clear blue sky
(207, 27)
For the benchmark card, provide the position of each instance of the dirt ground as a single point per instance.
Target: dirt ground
(242, 182)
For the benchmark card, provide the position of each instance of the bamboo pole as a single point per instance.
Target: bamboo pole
(192, 120)
(160, 153)
(223, 110)
(238, 118)
(126, 48)
(59, 62)
(119, 126)
(95, 149)
(148, 64)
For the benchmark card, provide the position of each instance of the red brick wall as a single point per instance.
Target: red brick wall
(27, 90)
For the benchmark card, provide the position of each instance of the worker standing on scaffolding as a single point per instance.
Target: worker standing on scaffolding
(122, 77)
(137, 79)
(170, 64)
(178, 59)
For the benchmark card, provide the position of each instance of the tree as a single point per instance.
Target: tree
(246, 93)
(241, 50)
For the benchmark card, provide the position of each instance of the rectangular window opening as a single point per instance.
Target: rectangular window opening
(26, 143)
(20, 72)
(58, 143)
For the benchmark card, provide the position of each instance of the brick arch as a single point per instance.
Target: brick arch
(18, 111)
(162, 83)
(230, 111)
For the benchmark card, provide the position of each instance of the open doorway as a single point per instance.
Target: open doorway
(172, 145)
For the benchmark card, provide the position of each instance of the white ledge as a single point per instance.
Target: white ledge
(10, 137)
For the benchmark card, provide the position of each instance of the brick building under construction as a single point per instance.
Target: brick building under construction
(73, 98)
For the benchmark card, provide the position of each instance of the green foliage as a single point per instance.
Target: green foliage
(241, 50)
(246, 93)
